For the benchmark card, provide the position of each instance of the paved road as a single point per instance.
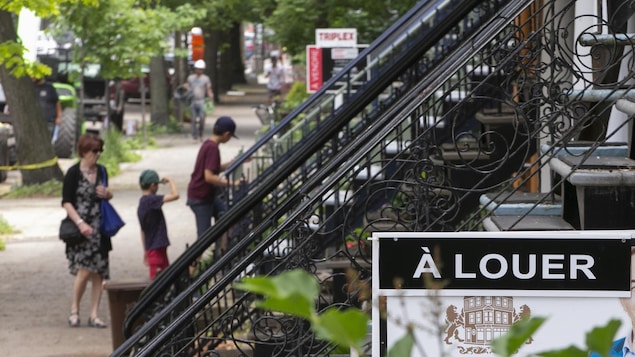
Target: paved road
(35, 288)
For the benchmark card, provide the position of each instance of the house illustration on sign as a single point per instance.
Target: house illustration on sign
(482, 319)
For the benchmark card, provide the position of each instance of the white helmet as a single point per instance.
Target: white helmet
(199, 64)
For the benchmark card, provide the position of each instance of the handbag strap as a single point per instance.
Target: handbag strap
(104, 178)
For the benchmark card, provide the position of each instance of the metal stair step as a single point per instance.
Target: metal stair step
(496, 118)
(519, 203)
(617, 39)
(527, 223)
(467, 151)
(579, 148)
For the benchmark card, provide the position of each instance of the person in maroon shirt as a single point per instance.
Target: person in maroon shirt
(203, 191)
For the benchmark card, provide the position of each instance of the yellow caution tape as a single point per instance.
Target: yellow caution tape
(35, 166)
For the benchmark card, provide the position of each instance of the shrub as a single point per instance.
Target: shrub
(296, 96)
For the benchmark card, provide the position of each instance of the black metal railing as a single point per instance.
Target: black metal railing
(270, 195)
(380, 75)
(488, 119)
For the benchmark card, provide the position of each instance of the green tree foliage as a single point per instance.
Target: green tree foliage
(123, 35)
(35, 152)
(294, 21)
(11, 49)
(120, 35)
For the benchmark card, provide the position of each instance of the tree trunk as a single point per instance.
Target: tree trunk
(159, 91)
(235, 57)
(226, 62)
(212, 45)
(180, 73)
(223, 57)
(33, 140)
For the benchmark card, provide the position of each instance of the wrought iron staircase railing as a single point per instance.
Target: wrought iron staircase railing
(414, 169)
(378, 77)
(320, 136)
(207, 277)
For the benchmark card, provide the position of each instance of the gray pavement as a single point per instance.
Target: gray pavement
(35, 289)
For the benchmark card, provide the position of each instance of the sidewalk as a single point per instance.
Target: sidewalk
(35, 291)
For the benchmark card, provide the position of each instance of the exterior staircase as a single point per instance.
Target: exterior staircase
(467, 117)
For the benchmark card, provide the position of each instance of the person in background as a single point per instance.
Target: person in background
(275, 74)
(154, 231)
(82, 192)
(203, 190)
(49, 102)
(201, 87)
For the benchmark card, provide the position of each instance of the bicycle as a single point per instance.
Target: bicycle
(268, 114)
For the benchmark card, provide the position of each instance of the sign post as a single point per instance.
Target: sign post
(459, 291)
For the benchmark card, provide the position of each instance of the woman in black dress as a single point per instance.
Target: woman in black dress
(81, 195)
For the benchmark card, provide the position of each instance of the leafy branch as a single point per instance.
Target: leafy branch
(294, 293)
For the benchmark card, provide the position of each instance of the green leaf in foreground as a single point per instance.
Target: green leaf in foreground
(509, 343)
(403, 346)
(571, 351)
(293, 292)
(294, 304)
(599, 340)
(345, 328)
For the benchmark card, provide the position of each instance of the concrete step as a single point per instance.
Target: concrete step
(521, 203)
(527, 223)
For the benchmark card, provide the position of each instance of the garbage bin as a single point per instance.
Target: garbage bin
(122, 297)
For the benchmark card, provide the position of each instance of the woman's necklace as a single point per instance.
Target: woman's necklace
(88, 172)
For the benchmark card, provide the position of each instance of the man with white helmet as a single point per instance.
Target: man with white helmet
(201, 87)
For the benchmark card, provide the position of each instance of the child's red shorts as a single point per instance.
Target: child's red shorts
(157, 260)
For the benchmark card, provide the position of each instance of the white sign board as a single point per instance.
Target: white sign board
(334, 37)
(459, 291)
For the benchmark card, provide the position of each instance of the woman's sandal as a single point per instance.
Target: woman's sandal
(73, 319)
(96, 322)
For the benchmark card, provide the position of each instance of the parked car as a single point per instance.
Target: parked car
(132, 87)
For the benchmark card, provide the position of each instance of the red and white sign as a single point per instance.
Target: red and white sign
(314, 68)
(336, 37)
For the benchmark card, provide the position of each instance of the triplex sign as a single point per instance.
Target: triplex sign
(482, 283)
(334, 37)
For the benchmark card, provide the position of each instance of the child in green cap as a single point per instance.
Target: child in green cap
(154, 232)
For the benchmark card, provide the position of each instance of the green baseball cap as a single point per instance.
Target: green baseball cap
(148, 177)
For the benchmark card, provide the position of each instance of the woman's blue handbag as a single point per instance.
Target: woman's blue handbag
(110, 222)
